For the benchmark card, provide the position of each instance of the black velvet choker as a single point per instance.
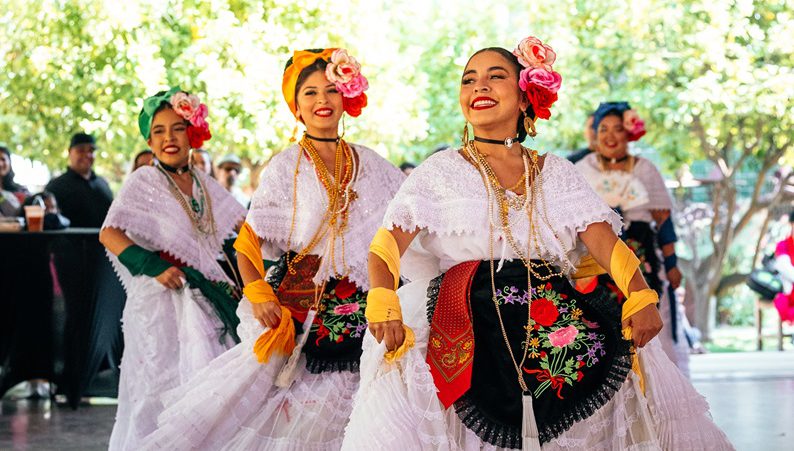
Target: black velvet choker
(614, 160)
(322, 140)
(173, 170)
(507, 142)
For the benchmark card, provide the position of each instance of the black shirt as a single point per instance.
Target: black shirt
(577, 155)
(84, 202)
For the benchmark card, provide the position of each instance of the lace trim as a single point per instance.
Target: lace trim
(316, 365)
(433, 289)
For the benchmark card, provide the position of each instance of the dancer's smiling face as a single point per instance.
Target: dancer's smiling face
(168, 138)
(489, 94)
(611, 137)
(319, 104)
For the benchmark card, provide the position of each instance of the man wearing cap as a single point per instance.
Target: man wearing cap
(84, 197)
(229, 168)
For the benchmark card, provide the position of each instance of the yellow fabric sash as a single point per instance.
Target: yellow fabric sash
(301, 59)
(588, 267)
(247, 243)
(385, 246)
(623, 265)
(259, 292)
(282, 338)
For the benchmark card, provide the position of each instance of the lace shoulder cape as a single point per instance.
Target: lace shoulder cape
(445, 197)
(271, 214)
(645, 179)
(153, 218)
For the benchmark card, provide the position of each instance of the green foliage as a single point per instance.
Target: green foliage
(705, 75)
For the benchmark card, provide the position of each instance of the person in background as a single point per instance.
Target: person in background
(784, 263)
(84, 197)
(202, 161)
(407, 168)
(590, 137)
(9, 204)
(142, 158)
(7, 182)
(229, 168)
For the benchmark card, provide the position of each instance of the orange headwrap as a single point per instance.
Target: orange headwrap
(301, 59)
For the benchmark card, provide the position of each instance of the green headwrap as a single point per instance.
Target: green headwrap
(151, 105)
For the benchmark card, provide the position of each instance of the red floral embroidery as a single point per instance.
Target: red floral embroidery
(544, 312)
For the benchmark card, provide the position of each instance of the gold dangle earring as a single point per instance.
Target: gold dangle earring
(190, 158)
(465, 138)
(343, 127)
(529, 126)
(294, 131)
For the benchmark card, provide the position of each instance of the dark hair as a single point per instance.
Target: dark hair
(512, 59)
(318, 65)
(791, 216)
(407, 165)
(7, 182)
(138, 155)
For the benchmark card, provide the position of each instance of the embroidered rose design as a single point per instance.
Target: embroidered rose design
(344, 289)
(346, 309)
(562, 337)
(544, 312)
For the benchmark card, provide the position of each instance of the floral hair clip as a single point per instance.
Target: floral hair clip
(190, 108)
(538, 79)
(345, 72)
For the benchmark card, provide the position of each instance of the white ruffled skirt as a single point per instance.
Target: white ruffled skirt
(397, 407)
(233, 404)
(168, 336)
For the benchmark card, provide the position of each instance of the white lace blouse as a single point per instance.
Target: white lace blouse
(154, 219)
(272, 208)
(445, 198)
(644, 183)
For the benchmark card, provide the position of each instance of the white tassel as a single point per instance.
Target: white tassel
(529, 427)
(286, 376)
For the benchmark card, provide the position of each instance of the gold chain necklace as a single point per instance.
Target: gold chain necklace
(204, 221)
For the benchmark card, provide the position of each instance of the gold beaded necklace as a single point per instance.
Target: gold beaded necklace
(340, 194)
(202, 220)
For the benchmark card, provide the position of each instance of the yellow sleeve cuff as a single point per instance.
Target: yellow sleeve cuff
(383, 305)
(385, 246)
(637, 301)
(259, 292)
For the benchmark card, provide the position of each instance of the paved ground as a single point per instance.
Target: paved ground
(751, 397)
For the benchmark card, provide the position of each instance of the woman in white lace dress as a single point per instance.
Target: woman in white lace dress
(290, 383)
(164, 233)
(634, 188)
(489, 346)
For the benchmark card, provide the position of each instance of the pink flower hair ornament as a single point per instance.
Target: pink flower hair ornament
(538, 79)
(186, 105)
(344, 71)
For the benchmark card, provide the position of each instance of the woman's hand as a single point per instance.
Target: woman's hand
(644, 324)
(267, 313)
(389, 331)
(674, 277)
(172, 278)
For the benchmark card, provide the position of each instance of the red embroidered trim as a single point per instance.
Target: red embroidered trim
(450, 350)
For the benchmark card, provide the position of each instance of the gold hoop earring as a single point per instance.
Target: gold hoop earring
(529, 126)
(343, 127)
(465, 138)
